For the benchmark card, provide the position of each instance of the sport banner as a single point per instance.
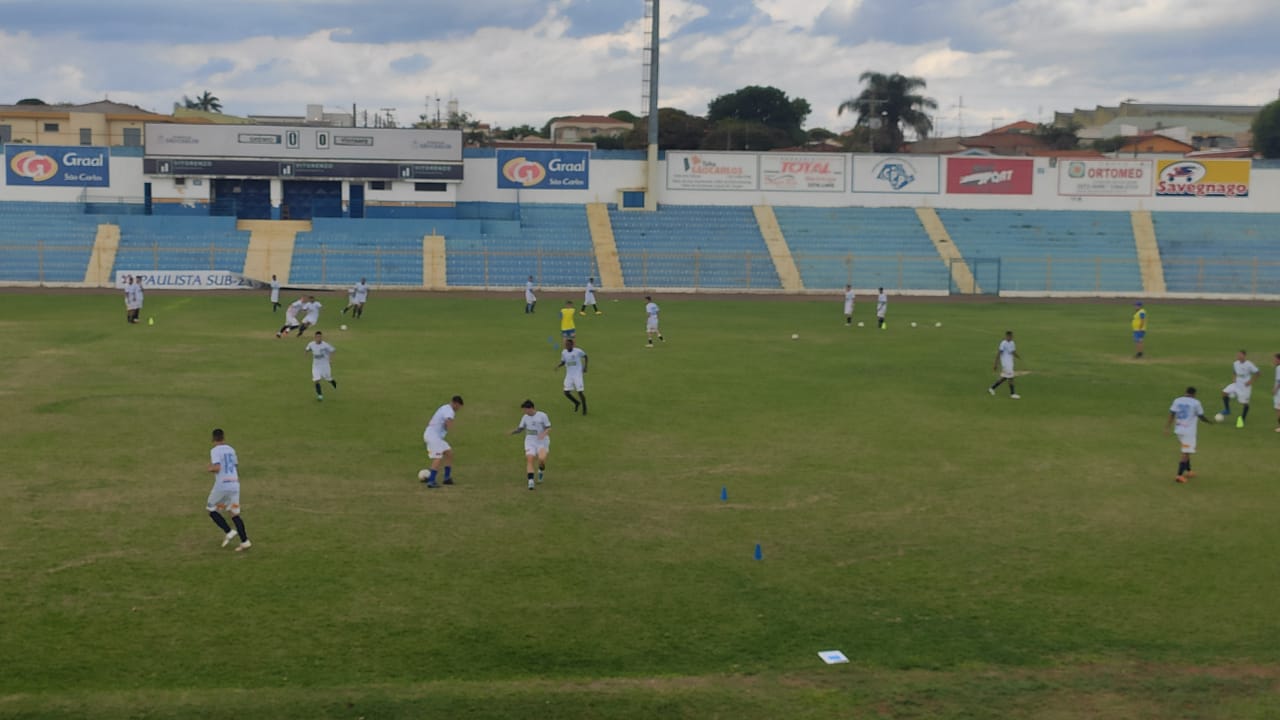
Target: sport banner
(1203, 178)
(989, 176)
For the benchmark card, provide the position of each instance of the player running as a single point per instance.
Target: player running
(275, 293)
(589, 297)
(437, 449)
(574, 361)
(291, 321)
(882, 305)
(536, 427)
(321, 351)
(651, 323)
(225, 495)
(1005, 355)
(312, 306)
(1185, 412)
(1241, 388)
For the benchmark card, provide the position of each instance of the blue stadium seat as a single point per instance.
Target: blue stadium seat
(693, 246)
(1219, 252)
(865, 247)
(180, 243)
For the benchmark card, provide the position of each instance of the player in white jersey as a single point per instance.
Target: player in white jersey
(291, 321)
(589, 298)
(137, 297)
(530, 300)
(1184, 413)
(848, 306)
(128, 298)
(320, 352)
(1241, 387)
(882, 306)
(438, 450)
(275, 293)
(312, 306)
(360, 297)
(536, 427)
(1005, 355)
(1275, 391)
(651, 322)
(225, 495)
(574, 361)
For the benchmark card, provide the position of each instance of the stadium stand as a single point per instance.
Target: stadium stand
(341, 251)
(1049, 250)
(1219, 252)
(179, 243)
(728, 250)
(47, 243)
(867, 247)
(550, 242)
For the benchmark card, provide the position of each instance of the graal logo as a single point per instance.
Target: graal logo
(897, 173)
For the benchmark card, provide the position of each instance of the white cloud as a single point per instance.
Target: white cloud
(805, 13)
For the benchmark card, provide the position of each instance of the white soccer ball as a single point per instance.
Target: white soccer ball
(861, 324)
(937, 324)
(342, 327)
(424, 474)
(795, 336)
(1219, 417)
(913, 324)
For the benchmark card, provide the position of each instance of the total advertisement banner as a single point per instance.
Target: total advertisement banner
(990, 176)
(186, 279)
(522, 169)
(1105, 178)
(897, 174)
(713, 171)
(1202, 178)
(57, 166)
(803, 173)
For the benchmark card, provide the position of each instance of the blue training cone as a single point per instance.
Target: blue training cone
(759, 555)
(724, 494)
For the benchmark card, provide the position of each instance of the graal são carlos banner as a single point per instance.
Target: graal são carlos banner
(804, 173)
(1202, 178)
(1105, 178)
(57, 165)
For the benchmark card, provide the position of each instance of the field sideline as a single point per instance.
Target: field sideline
(973, 556)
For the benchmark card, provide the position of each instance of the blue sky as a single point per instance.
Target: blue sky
(523, 61)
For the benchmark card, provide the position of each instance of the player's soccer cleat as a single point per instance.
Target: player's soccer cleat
(448, 481)
(531, 484)
(1278, 429)
(244, 546)
(431, 484)
(1189, 474)
(1239, 422)
(991, 390)
(1180, 479)
(582, 312)
(278, 335)
(1015, 396)
(319, 397)
(230, 536)
(599, 312)
(539, 476)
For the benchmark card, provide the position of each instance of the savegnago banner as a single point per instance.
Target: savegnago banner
(186, 279)
(1202, 178)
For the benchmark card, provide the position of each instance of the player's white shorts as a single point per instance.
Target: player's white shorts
(532, 445)
(1276, 401)
(1006, 370)
(291, 321)
(1188, 442)
(436, 446)
(848, 308)
(589, 299)
(651, 326)
(1239, 391)
(224, 496)
(321, 371)
(312, 319)
(573, 382)
(528, 296)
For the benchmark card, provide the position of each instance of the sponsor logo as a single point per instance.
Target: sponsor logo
(986, 176)
(34, 166)
(897, 173)
(697, 165)
(1075, 169)
(524, 171)
(1183, 173)
(1192, 179)
(781, 181)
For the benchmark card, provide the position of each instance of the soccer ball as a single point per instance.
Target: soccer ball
(342, 327)
(795, 336)
(424, 474)
(861, 324)
(1219, 417)
(913, 324)
(937, 324)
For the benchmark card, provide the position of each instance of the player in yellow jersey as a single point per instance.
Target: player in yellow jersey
(1139, 327)
(566, 320)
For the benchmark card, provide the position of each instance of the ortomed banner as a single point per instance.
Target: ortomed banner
(806, 173)
(186, 279)
(713, 171)
(897, 174)
(1202, 178)
(522, 169)
(990, 176)
(57, 165)
(1105, 178)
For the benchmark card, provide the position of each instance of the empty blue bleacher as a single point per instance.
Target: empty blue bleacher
(550, 242)
(865, 247)
(53, 247)
(1219, 252)
(340, 251)
(180, 243)
(1050, 250)
(692, 246)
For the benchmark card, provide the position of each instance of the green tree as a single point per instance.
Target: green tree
(516, 133)
(625, 116)
(677, 130)
(1266, 130)
(888, 105)
(767, 106)
(206, 101)
(744, 135)
(1059, 137)
(32, 101)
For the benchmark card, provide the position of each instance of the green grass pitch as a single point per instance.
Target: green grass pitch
(972, 556)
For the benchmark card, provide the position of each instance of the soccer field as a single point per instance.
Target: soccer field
(972, 556)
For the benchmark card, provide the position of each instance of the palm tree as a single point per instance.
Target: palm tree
(206, 101)
(887, 105)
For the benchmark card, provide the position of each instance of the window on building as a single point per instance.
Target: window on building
(378, 185)
(183, 181)
(133, 137)
(6, 133)
(430, 187)
(51, 127)
(86, 136)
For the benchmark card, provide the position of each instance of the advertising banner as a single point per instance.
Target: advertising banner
(712, 171)
(1202, 178)
(523, 169)
(292, 142)
(57, 165)
(989, 176)
(186, 167)
(186, 279)
(1105, 178)
(897, 174)
(807, 173)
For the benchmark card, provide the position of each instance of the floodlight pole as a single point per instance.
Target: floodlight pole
(650, 196)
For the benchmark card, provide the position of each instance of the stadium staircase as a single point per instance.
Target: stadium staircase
(606, 247)
(1144, 240)
(961, 275)
(865, 247)
(435, 264)
(785, 265)
(103, 257)
(271, 247)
